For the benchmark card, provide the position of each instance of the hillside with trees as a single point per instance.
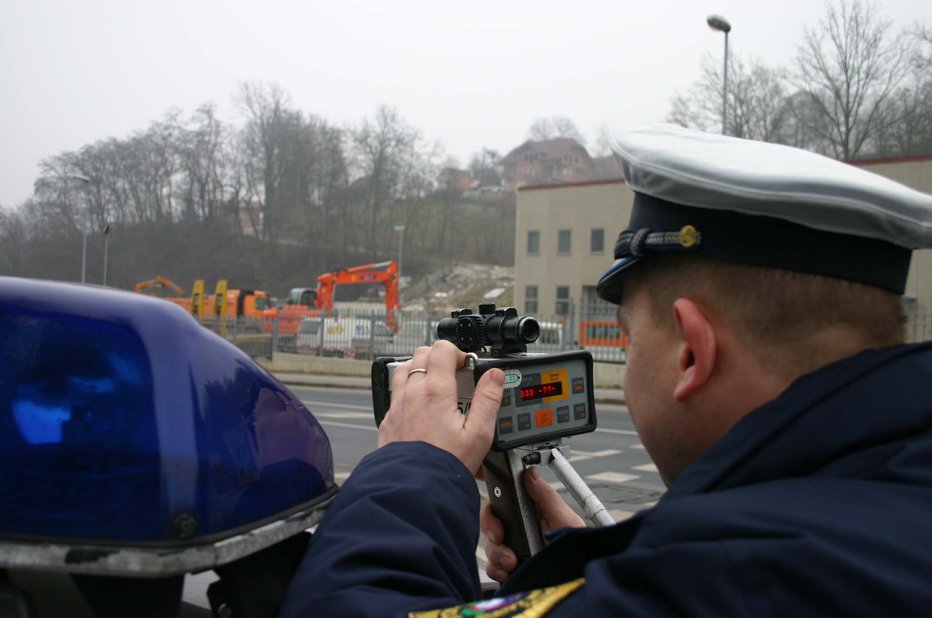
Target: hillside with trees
(268, 204)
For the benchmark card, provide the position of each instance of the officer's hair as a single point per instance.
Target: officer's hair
(781, 317)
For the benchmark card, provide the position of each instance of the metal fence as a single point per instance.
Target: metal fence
(366, 335)
(919, 321)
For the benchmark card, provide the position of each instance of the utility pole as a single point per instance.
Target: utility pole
(401, 239)
(719, 23)
(84, 179)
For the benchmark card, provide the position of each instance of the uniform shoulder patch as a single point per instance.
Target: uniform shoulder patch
(530, 604)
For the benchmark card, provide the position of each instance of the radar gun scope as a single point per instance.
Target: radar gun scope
(546, 398)
(503, 331)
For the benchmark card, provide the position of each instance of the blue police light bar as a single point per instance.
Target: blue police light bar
(135, 441)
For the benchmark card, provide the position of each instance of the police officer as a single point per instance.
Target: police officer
(767, 378)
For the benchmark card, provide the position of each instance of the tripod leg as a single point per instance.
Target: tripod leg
(577, 487)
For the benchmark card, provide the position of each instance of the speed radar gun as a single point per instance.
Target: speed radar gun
(547, 397)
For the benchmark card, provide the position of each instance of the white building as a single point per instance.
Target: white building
(565, 238)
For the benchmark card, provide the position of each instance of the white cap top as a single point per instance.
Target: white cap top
(717, 172)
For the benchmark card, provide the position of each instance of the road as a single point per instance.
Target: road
(611, 459)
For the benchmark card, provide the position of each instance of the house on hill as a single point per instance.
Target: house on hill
(553, 161)
(452, 179)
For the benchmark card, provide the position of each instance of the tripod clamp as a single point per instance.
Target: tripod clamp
(510, 501)
(593, 508)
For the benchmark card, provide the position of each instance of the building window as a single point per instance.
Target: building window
(563, 300)
(564, 242)
(591, 307)
(533, 242)
(597, 240)
(530, 299)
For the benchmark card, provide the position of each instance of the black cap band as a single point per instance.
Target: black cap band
(755, 240)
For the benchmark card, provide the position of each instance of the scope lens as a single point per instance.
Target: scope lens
(523, 329)
(528, 330)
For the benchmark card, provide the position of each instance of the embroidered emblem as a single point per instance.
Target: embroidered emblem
(530, 604)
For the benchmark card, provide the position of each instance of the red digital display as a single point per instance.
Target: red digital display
(540, 391)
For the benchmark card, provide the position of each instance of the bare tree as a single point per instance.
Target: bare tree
(330, 193)
(755, 103)
(544, 129)
(486, 167)
(12, 242)
(384, 150)
(265, 108)
(202, 147)
(104, 163)
(162, 165)
(58, 205)
(850, 70)
(800, 115)
(602, 147)
(909, 129)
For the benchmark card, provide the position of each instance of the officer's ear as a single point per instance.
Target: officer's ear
(697, 348)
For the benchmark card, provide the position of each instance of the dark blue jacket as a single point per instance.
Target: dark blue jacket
(817, 503)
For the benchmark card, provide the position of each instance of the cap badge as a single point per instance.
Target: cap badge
(689, 236)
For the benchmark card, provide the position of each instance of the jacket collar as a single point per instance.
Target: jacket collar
(867, 400)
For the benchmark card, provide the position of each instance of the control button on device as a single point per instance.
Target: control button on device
(524, 422)
(579, 411)
(545, 417)
(563, 414)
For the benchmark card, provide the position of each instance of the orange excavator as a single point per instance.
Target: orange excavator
(162, 287)
(312, 303)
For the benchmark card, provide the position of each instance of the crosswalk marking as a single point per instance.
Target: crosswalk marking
(649, 467)
(623, 432)
(577, 455)
(612, 477)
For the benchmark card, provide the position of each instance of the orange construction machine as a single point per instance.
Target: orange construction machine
(312, 303)
(224, 301)
(236, 303)
(166, 289)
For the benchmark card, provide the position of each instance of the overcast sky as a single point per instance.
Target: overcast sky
(468, 75)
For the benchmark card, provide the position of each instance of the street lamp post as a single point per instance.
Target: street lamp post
(401, 239)
(719, 23)
(106, 247)
(84, 179)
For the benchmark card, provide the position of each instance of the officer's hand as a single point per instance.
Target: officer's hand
(552, 513)
(424, 405)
